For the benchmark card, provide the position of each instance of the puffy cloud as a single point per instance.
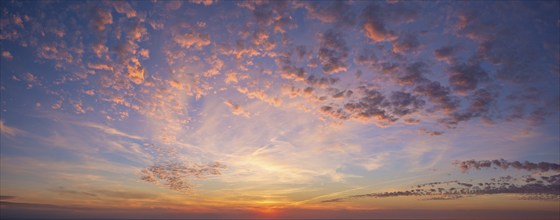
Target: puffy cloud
(466, 77)
(195, 40)
(99, 49)
(260, 95)
(445, 53)
(406, 44)
(136, 73)
(231, 77)
(236, 109)
(374, 25)
(262, 39)
(79, 108)
(55, 52)
(438, 95)
(333, 52)
(413, 74)
(203, 2)
(178, 176)
(124, 8)
(137, 32)
(320, 82)
(367, 57)
(334, 12)
(403, 103)
(100, 66)
(372, 104)
(273, 14)
(7, 55)
(145, 53)
(102, 18)
(173, 5)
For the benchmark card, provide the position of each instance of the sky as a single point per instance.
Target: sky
(280, 109)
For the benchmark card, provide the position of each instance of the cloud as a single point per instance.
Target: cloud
(263, 40)
(321, 82)
(528, 166)
(236, 109)
(9, 131)
(445, 53)
(57, 52)
(371, 104)
(102, 18)
(177, 176)
(124, 8)
(540, 188)
(173, 5)
(438, 95)
(338, 12)
(333, 52)
(99, 49)
(413, 74)
(203, 2)
(374, 25)
(466, 77)
(136, 73)
(403, 103)
(100, 66)
(7, 55)
(407, 44)
(231, 77)
(367, 57)
(194, 40)
(260, 95)
(431, 133)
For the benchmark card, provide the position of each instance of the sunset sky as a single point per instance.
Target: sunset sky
(280, 109)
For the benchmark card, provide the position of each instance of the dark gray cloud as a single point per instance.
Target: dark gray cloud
(438, 95)
(536, 187)
(445, 53)
(431, 133)
(407, 44)
(501, 163)
(466, 77)
(321, 82)
(271, 14)
(413, 74)
(480, 105)
(372, 104)
(403, 103)
(333, 52)
(367, 58)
